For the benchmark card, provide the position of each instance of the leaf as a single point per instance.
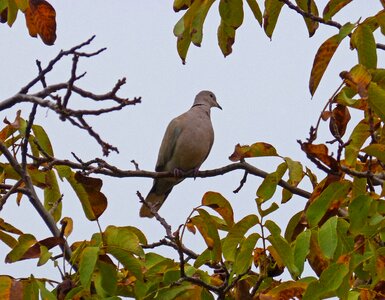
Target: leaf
(41, 20)
(301, 249)
(196, 31)
(219, 203)
(22, 4)
(244, 258)
(376, 95)
(231, 12)
(181, 4)
(330, 281)
(327, 237)
(42, 140)
(358, 213)
(363, 40)
(311, 25)
(236, 235)
(25, 241)
(377, 150)
(12, 12)
(122, 238)
(286, 290)
(67, 226)
(45, 255)
(209, 232)
(9, 240)
(358, 80)
(87, 265)
(6, 283)
(226, 38)
(105, 281)
(253, 4)
(333, 7)
(270, 15)
(9, 228)
(264, 212)
(52, 195)
(172, 292)
(87, 189)
(269, 185)
(320, 152)
(339, 121)
(283, 249)
(325, 54)
(358, 137)
(295, 171)
(334, 192)
(255, 150)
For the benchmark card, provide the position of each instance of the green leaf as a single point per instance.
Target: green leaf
(209, 232)
(22, 4)
(253, 4)
(264, 212)
(311, 25)
(270, 15)
(329, 282)
(12, 12)
(269, 185)
(285, 252)
(295, 171)
(219, 203)
(292, 225)
(132, 264)
(358, 213)
(45, 255)
(324, 56)
(376, 101)
(44, 293)
(244, 257)
(122, 238)
(231, 12)
(196, 31)
(42, 139)
(105, 279)
(327, 237)
(93, 201)
(376, 150)
(52, 195)
(334, 192)
(236, 235)
(226, 38)
(87, 265)
(181, 5)
(363, 40)
(358, 137)
(25, 241)
(333, 7)
(301, 249)
(173, 292)
(9, 240)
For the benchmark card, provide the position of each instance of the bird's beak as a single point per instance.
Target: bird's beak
(220, 107)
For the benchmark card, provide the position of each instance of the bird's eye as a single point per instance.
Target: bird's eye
(211, 95)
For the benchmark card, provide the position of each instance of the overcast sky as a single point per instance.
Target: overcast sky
(262, 87)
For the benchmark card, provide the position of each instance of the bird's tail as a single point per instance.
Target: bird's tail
(155, 201)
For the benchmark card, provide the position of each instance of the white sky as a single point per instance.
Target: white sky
(262, 87)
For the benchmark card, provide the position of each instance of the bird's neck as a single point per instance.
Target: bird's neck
(203, 107)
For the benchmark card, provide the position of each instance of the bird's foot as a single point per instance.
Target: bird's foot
(195, 172)
(178, 172)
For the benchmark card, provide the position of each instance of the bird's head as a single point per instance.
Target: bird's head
(206, 98)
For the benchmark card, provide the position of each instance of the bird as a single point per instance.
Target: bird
(185, 146)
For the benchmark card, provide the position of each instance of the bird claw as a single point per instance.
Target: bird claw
(178, 173)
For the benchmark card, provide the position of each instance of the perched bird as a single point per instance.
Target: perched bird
(185, 146)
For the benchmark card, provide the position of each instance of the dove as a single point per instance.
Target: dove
(185, 146)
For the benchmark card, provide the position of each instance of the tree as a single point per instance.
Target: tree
(339, 233)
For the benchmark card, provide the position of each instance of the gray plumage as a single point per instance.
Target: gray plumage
(185, 146)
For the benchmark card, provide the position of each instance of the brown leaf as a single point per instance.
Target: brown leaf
(49, 243)
(339, 120)
(326, 115)
(67, 226)
(320, 152)
(40, 17)
(190, 227)
(4, 16)
(255, 150)
(316, 259)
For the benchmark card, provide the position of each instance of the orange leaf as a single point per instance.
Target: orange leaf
(320, 152)
(40, 17)
(358, 79)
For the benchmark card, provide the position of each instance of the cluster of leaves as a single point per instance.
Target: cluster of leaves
(40, 17)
